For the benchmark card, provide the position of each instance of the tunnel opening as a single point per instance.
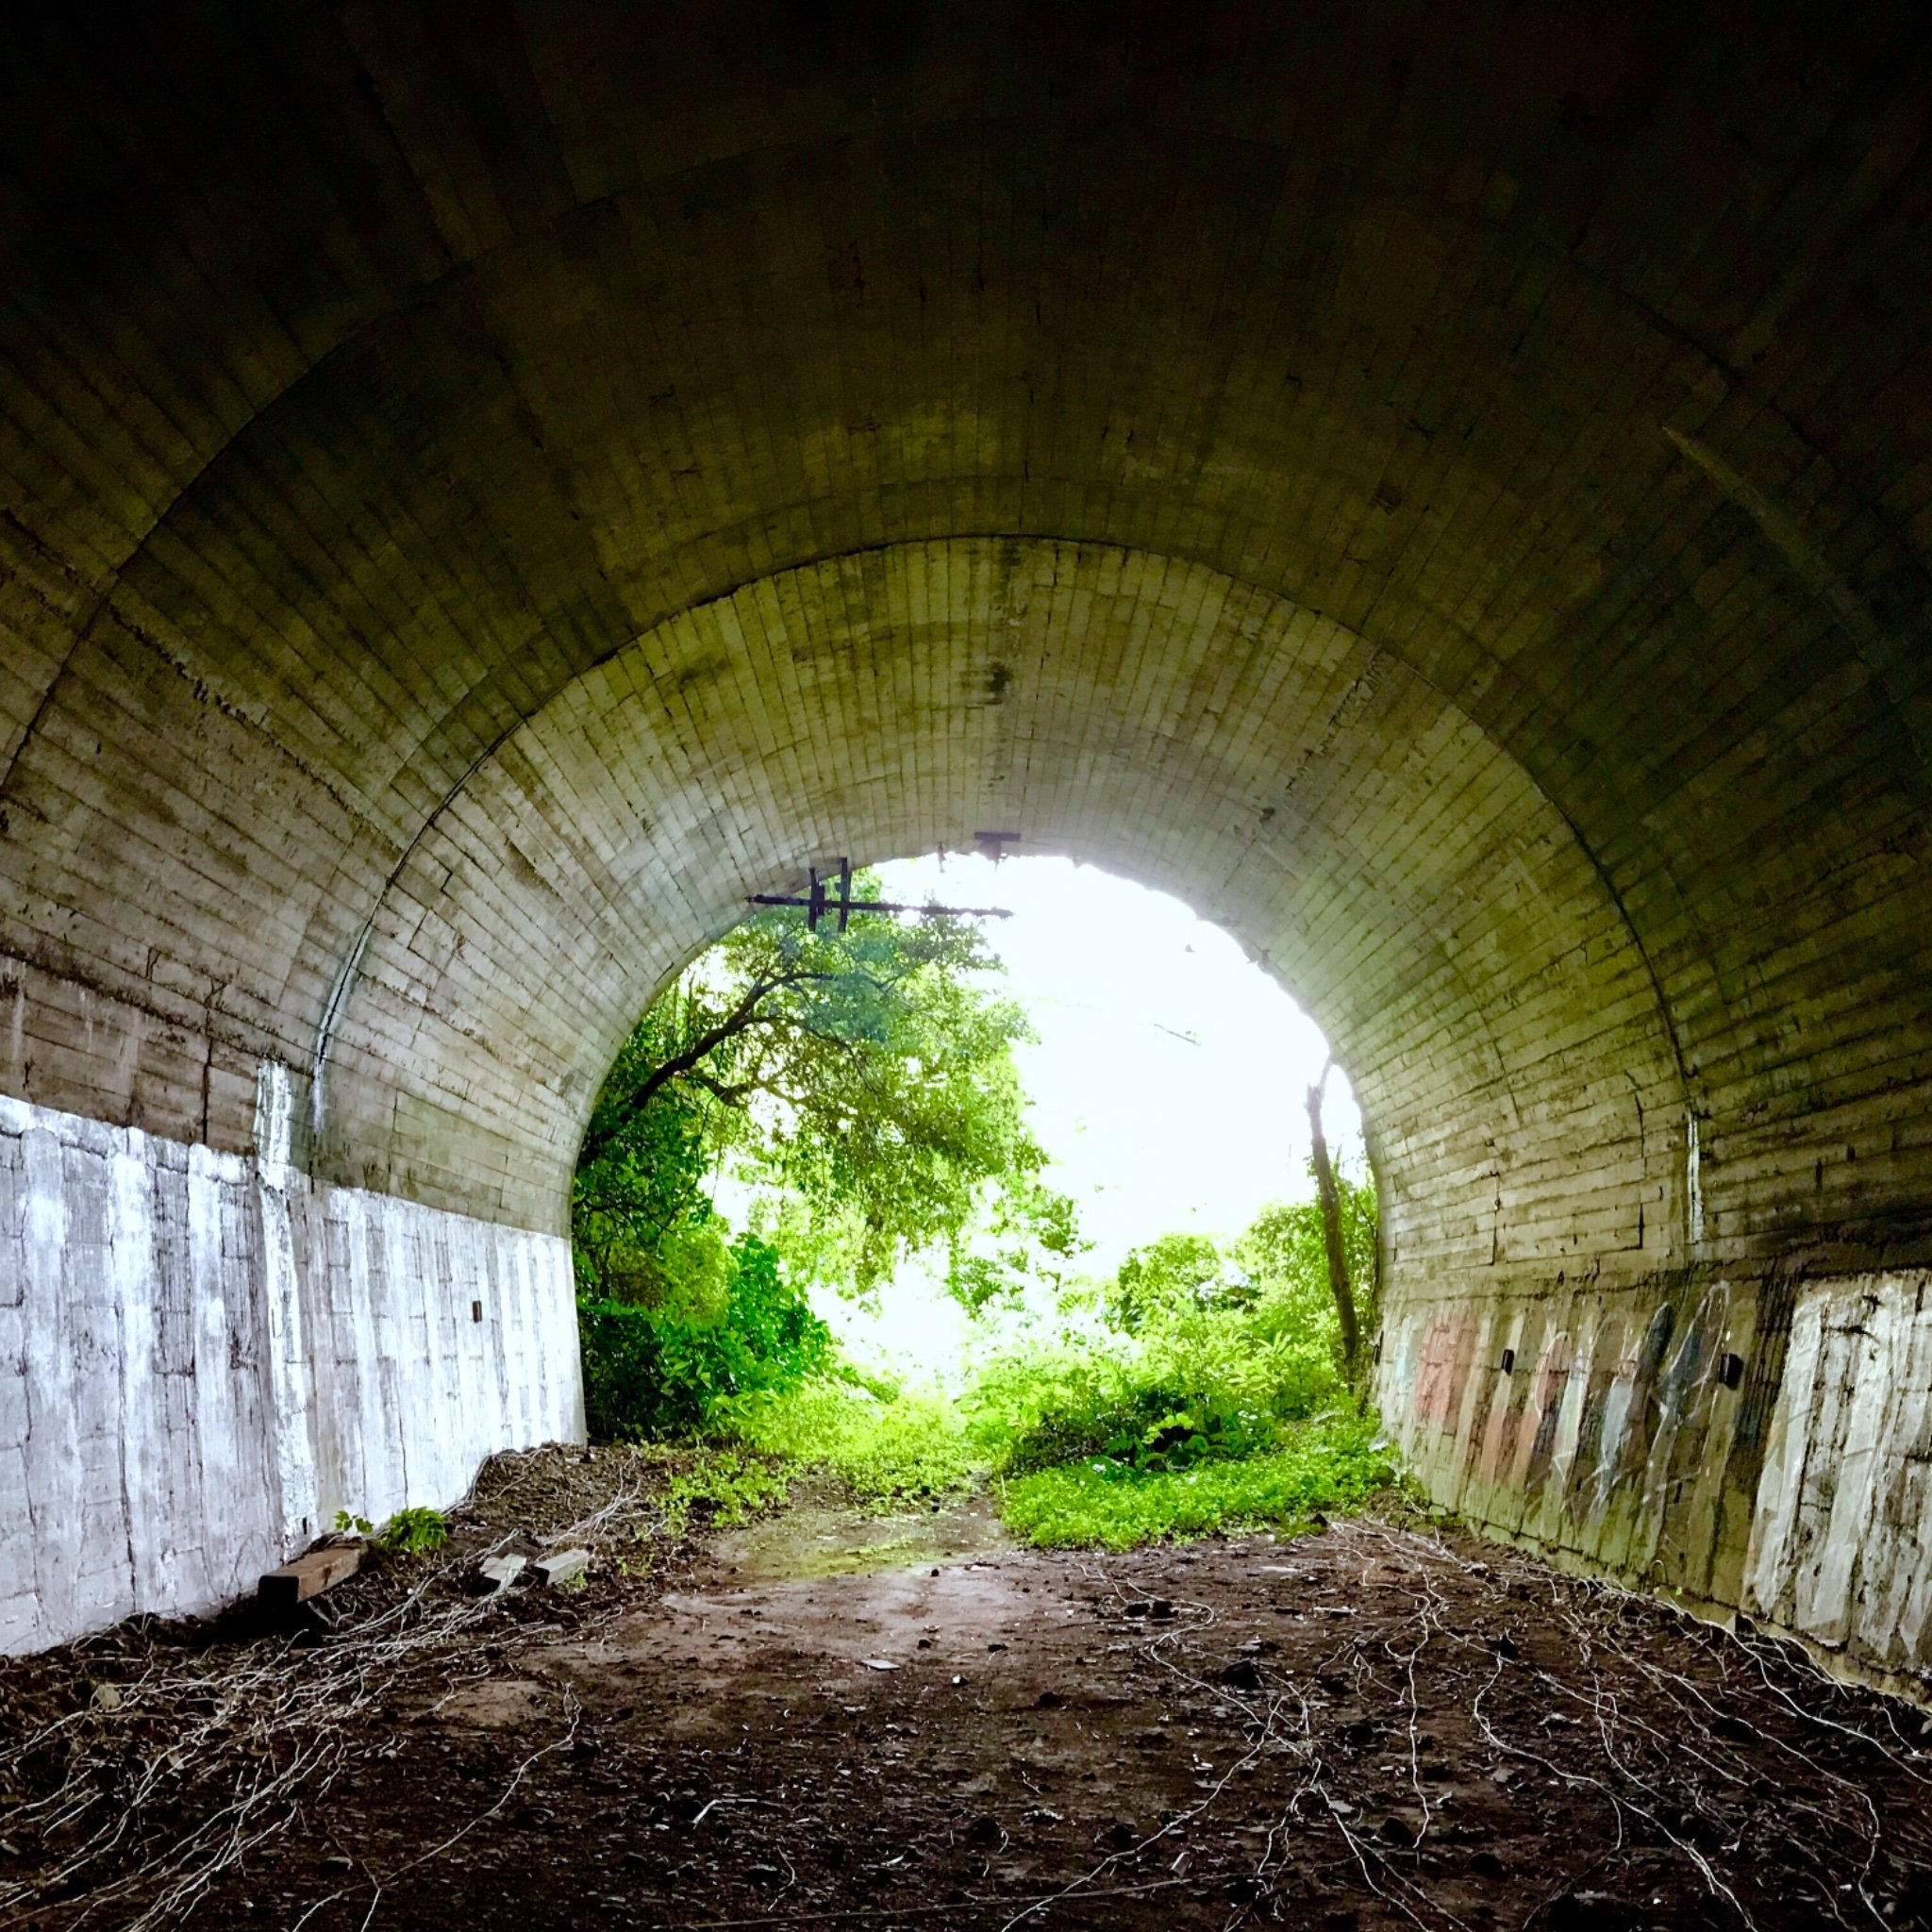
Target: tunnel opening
(911, 1200)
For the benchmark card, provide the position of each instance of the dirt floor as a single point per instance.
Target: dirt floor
(827, 1719)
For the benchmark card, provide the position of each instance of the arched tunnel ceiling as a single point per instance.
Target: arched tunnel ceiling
(1131, 709)
(485, 491)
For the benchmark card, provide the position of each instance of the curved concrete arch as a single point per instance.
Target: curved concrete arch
(1389, 861)
(607, 418)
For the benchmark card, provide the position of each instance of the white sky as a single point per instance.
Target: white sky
(1170, 1075)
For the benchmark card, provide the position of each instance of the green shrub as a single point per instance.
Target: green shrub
(886, 1446)
(1329, 1464)
(1203, 1385)
(1175, 1271)
(413, 1531)
(651, 1372)
(409, 1532)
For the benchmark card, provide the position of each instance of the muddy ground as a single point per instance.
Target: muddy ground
(828, 1720)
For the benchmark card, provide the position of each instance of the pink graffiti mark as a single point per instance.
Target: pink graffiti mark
(1536, 1432)
(1442, 1371)
(1552, 1371)
(1496, 1430)
(1525, 1410)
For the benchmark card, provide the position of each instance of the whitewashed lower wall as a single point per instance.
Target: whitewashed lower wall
(203, 1356)
(1840, 1544)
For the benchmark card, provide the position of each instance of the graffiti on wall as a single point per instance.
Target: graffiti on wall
(1548, 1415)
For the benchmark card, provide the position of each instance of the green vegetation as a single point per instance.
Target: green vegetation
(409, 1532)
(720, 1486)
(863, 1080)
(859, 1089)
(887, 1446)
(1334, 1462)
(725, 1326)
(412, 1532)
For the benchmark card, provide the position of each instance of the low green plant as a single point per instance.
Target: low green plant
(409, 1532)
(414, 1532)
(720, 1486)
(886, 1445)
(1331, 1464)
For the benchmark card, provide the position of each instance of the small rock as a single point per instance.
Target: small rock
(106, 1697)
(1160, 1608)
(923, 1643)
(563, 1568)
(501, 1572)
(984, 1832)
(879, 1663)
(996, 1647)
(1486, 1865)
(1241, 1675)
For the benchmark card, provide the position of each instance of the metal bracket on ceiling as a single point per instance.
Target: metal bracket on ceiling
(819, 900)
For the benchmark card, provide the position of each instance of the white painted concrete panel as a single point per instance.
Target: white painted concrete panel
(202, 1356)
(1842, 1524)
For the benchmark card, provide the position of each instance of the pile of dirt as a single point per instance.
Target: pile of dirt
(1384, 1724)
(140, 1765)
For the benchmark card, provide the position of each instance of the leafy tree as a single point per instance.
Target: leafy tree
(865, 1075)
(1024, 1232)
(639, 1212)
(865, 1078)
(1285, 1253)
(1334, 1240)
(1169, 1275)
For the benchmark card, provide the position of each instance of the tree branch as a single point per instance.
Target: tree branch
(742, 1017)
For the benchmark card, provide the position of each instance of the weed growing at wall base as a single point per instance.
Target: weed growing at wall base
(718, 1486)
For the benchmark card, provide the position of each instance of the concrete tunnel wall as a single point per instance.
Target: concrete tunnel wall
(204, 1356)
(484, 491)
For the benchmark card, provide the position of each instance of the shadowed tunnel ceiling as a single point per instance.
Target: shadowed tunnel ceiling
(1443, 489)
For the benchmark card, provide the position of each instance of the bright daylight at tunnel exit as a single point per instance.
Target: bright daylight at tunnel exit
(966, 967)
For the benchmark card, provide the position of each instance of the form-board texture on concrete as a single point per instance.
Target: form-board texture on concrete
(1444, 489)
(205, 1356)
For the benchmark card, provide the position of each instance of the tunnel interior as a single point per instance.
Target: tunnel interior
(486, 492)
